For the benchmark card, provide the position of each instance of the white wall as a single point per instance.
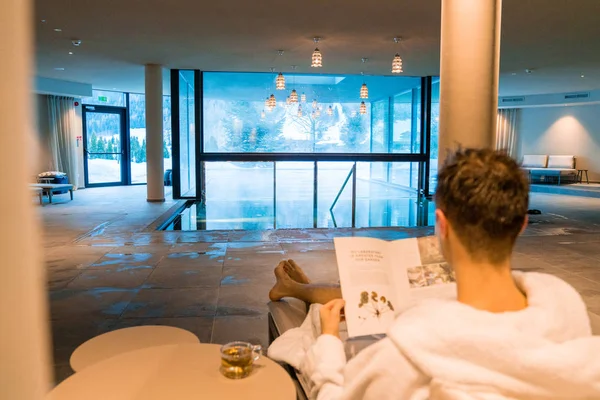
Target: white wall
(563, 130)
(61, 87)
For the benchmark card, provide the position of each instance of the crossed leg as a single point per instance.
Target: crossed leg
(293, 282)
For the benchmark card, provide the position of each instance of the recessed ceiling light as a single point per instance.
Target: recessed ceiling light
(514, 73)
(70, 53)
(583, 76)
(57, 30)
(43, 21)
(59, 69)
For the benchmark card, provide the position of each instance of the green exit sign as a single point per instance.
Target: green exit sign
(103, 98)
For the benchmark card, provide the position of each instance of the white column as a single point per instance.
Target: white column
(470, 61)
(154, 133)
(24, 321)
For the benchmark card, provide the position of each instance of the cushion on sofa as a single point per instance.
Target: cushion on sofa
(567, 162)
(537, 171)
(535, 161)
(51, 174)
(565, 171)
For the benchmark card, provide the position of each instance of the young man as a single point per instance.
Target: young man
(508, 335)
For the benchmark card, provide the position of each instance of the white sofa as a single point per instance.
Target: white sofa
(545, 166)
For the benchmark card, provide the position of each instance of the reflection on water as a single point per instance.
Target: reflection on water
(265, 195)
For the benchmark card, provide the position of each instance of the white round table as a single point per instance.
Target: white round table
(182, 372)
(127, 339)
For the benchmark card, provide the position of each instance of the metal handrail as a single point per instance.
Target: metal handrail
(350, 175)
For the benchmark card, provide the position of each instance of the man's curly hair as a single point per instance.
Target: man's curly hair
(484, 195)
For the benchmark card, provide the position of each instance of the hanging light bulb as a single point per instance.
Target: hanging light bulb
(364, 91)
(299, 110)
(317, 113)
(314, 104)
(397, 61)
(303, 98)
(294, 96)
(268, 99)
(262, 114)
(397, 64)
(272, 101)
(363, 107)
(280, 82)
(330, 111)
(317, 57)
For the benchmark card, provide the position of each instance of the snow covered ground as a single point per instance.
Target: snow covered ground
(109, 171)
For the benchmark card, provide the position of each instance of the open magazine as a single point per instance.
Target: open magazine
(381, 278)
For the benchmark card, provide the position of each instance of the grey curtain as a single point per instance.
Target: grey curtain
(63, 127)
(506, 131)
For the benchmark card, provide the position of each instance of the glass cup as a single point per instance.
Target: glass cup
(237, 359)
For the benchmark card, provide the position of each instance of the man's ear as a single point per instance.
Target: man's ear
(524, 224)
(442, 223)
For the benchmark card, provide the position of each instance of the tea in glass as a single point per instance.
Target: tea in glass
(237, 359)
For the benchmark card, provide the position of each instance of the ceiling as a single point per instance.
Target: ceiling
(557, 39)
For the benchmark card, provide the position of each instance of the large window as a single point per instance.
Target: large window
(187, 134)
(137, 132)
(328, 117)
(405, 130)
(435, 133)
(328, 159)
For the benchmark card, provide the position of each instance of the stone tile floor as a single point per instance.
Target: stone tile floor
(215, 284)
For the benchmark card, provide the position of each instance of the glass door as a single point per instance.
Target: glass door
(105, 158)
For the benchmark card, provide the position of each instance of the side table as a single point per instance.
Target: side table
(180, 371)
(127, 339)
(580, 173)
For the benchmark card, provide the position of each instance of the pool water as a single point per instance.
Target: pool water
(261, 215)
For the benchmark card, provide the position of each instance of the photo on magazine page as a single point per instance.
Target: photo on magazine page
(433, 269)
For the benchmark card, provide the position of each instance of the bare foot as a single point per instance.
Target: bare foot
(295, 272)
(283, 285)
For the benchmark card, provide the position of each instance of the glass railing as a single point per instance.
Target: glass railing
(306, 194)
(351, 174)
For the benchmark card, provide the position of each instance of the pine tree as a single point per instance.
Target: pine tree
(93, 144)
(109, 149)
(101, 146)
(135, 148)
(139, 153)
(143, 151)
(166, 153)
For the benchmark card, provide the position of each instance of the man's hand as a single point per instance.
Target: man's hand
(330, 317)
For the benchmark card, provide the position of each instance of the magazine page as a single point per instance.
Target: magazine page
(432, 277)
(370, 286)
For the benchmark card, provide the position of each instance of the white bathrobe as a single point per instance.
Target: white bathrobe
(448, 350)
